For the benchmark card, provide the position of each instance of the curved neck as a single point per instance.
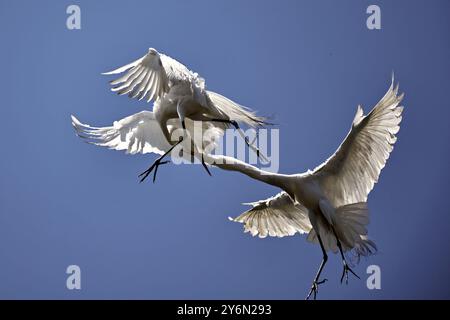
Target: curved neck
(281, 181)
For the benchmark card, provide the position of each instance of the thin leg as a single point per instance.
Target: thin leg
(236, 126)
(346, 267)
(183, 124)
(157, 163)
(316, 282)
(205, 166)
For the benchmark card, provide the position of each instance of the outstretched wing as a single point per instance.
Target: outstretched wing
(138, 133)
(277, 216)
(351, 172)
(148, 77)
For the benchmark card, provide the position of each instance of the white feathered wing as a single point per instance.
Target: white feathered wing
(277, 216)
(153, 75)
(350, 173)
(138, 133)
(141, 133)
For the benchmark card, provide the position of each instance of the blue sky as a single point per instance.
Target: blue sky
(308, 63)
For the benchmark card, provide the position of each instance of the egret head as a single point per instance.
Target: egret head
(152, 51)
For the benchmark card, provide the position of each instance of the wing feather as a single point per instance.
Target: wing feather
(138, 133)
(351, 172)
(149, 77)
(277, 216)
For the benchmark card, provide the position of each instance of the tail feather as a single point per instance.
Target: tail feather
(364, 248)
(350, 223)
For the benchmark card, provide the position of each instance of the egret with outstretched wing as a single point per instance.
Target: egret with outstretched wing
(180, 93)
(330, 202)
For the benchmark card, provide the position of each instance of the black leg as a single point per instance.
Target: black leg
(183, 124)
(316, 282)
(157, 163)
(205, 166)
(236, 126)
(232, 122)
(346, 267)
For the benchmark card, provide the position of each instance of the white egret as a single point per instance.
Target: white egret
(328, 203)
(178, 92)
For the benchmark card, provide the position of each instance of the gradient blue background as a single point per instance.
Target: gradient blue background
(309, 63)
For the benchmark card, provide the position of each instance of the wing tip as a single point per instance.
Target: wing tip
(248, 204)
(75, 121)
(359, 115)
(115, 71)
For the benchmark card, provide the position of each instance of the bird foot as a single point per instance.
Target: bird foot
(155, 166)
(315, 288)
(345, 273)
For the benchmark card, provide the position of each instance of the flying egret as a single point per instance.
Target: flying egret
(178, 92)
(330, 202)
(141, 133)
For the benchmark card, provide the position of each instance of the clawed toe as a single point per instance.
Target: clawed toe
(315, 288)
(345, 273)
(155, 166)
